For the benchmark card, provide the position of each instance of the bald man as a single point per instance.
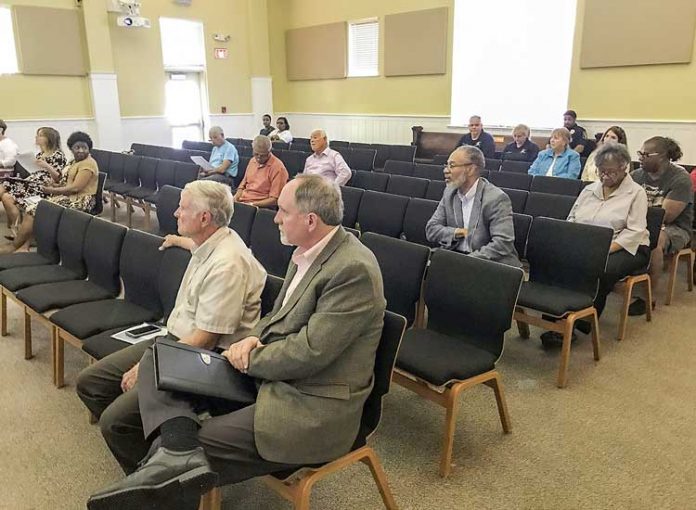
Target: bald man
(325, 161)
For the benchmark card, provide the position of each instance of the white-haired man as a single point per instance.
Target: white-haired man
(218, 303)
(325, 161)
(224, 158)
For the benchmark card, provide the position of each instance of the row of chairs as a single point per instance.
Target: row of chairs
(162, 152)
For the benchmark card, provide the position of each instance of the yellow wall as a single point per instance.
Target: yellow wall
(416, 95)
(659, 92)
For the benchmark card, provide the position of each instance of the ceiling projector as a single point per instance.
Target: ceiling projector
(133, 22)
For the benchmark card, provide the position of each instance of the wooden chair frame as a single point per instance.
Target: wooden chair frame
(146, 207)
(297, 488)
(674, 267)
(448, 397)
(564, 326)
(629, 282)
(60, 336)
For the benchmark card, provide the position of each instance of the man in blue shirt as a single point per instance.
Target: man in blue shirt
(224, 158)
(477, 137)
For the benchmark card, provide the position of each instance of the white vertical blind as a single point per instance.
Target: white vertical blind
(511, 61)
(363, 48)
(183, 44)
(8, 52)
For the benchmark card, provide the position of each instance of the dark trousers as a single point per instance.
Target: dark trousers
(620, 264)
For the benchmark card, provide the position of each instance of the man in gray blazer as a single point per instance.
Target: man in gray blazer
(473, 217)
(310, 361)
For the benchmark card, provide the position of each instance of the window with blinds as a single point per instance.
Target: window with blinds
(183, 44)
(8, 52)
(363, 48)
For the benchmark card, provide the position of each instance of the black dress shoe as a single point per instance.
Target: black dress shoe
(165, 476)
(551, 339)
(638, 307)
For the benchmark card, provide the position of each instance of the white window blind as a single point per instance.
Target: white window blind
(363, 48)
(8, 52)
(183, 44)
(511, 61)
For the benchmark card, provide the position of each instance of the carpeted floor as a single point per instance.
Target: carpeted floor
(620, 436)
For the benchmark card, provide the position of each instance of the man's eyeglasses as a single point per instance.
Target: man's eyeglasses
(642, 154)
(452, 165)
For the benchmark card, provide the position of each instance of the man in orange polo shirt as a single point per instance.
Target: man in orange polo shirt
(264, 178)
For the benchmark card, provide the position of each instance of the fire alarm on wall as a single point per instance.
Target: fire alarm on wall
(183, 2)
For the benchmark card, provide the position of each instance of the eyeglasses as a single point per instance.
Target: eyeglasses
(451, 165)
(642, 154)
(613, 171)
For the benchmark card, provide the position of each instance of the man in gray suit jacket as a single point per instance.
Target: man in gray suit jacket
(310, 361)
(474, 216)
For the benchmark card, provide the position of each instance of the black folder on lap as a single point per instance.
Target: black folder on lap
(182, 368)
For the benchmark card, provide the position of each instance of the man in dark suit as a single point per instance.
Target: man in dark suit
(477, 137)
(310, 361)
(473, 216)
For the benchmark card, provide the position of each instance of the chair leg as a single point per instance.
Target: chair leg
(623, 319)
(112, 198)
(302, 494)
(129, 212)
(148, 220)
(673, 266)
(380, 478)
(497, 386)
(211, 500)
(3, 314)
(523, 329)
(59, 359)
(691, 256)
(27, 336)
(595, 335)
(648, 307)
(565, 354)
(448, 438)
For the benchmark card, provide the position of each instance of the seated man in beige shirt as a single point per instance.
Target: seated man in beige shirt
(218, 303)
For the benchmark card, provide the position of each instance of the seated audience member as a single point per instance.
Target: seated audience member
(223, 158)
(668, 186)
(308, 366)
(693, 179)
(267, 129)
(578, 135)
(282, 132)
(8, 149)
(77, 189)
(614, 134)
(473, 217)
(264, 178)
(50, 160)
(522, 145)
(559, 160)
(478, 138)
(616, 201)
(218, 303)
(325, 161)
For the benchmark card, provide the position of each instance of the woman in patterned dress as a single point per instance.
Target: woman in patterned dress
(51, 161)
(77, 190)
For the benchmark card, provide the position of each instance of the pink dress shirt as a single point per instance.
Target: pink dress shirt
(330, 165)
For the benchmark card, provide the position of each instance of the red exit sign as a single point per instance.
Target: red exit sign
(221, 53)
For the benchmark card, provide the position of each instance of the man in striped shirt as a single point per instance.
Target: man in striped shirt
(325, 161)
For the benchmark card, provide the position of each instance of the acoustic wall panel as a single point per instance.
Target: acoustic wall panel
(317, 53)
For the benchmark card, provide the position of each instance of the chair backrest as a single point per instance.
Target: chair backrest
(98, 206)
(281, 145)
(382, 213)
(402, 265)
(294, 161)
(385, 357)
(117, 162)
(493, 164)
(435, 190)
(373, 181)
(362, 159)
(178, 154)
(199, 146)
(418, 213)
(407, 186)
(103, 159)
(130, 170)
(351, 204)
(265, 244)
(46, 221)
(557, 185)
(103, 243)
(165, 173)
(394, 167)
(440, 159)
(270, 293)
(140, 264)
(168, 202)
(339, 144)
(402, 152)
(71, 240)
(431, 172)
(519, 167)
(242, 220)
(147, 172)
(549, 205)
(510, 180)
(518, 198)
(382, 154)
(654, 218)
(184, 173)
(521, 224)
(174, 263)
(299, 145)
(568, 255)
(471, 298)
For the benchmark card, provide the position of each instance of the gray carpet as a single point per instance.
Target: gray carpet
(621, 435)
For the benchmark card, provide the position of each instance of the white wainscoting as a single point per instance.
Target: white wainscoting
(23, 132)
(153, 130)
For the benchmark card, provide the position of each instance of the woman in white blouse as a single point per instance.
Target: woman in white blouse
(282, 132)
(613, 134)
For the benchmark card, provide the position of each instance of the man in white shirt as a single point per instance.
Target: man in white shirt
(325, 161)
(8, 149)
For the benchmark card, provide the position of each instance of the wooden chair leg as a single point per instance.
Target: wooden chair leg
(623, 319)
(3, 314)
(497, 386)
(59, 359)
(380, 478)
(565, 354)
(302, 493)
(112, 198)
(648, 306)
(148, 220)
(448, 437)
(595, 335)
(129, 212)
(691, 256)
(523, 329)
(28, 354)
(211, 500)
(673, 266)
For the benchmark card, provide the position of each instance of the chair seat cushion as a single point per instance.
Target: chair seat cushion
(87, 319)
(10, 260)
(121, 188)
(141, 193)
(101, 345)
(108, 184)
(21, 277)
(552, 300)
(48, 296)
(152, 199)
(439, 359)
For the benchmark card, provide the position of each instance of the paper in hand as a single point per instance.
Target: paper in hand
(28, 161)
(201, 162)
